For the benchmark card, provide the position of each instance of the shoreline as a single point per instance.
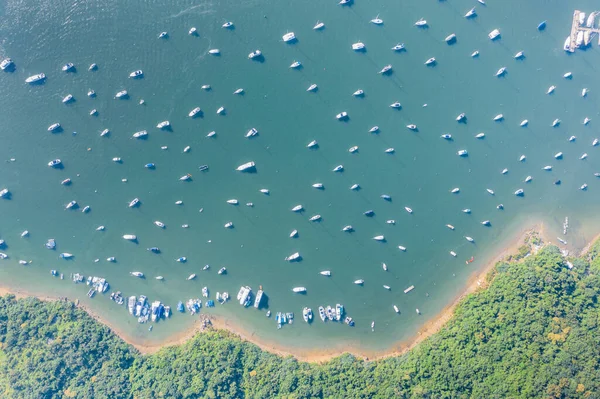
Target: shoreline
(475, 282)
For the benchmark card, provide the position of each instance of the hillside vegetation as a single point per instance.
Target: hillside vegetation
(533, 333)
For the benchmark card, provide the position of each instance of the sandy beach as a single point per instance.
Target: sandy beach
(475, 282)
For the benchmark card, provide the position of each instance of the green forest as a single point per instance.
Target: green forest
(533, 333)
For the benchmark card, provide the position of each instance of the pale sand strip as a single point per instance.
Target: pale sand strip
(475, 282)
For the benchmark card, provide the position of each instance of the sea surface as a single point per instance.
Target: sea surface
(41, 36)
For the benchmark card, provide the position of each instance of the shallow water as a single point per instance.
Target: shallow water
(42, 36)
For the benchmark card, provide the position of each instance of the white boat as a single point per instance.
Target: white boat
(453, 253)
(379, 238)
(446, 136)
(558, 155)
(412, 127)
(312, 87)
(395, 105)
(221, 111)
(384, 267)
(396, 309)
(141, 134)
(130, 237)
(341, 116)
(504, 171)
(4, 193)
(347, 228)
(402, 248)
(191, 277)
(498, 117)
(475, 54)
(105, 132)
(312, 144)
(54, 126)
(227, 25)
(583, 187)
(470, 239)
(239, 91)
(586, 121)
(519, 192)
(35, 78)
(547, 167)
(255, 54)
(390, 150)
(136, 74)
(398, 47)
(374, 129)
(246, 166)
(466, 210)
(455, 190)
(293, 257)
(451, 38)
(450, 226)
(159, 224)
(409, 210)
(519, 56)
(137, 274)
(572, 138)
(325, 273)
(117, 159)
(339, 168)
(163, 35)
(359, 282)
(495, 34)
(298, 208)
(595, 143)
(584, 92)
(462, 153)
(121, 94)
(214, 51)
(377, 20)
(501, 72)
(528, 179)
(353, 149)
(232, 201)
(299, 290)
(194, 112)
(583, 156)
(67, 98)
(358, 93)
(93, 66)
(480, 135)
(359, 46)
(181, 259)
(556, 122)
(289, 37)
(193, 31)
(134, 202)
(522, 158)
(163, 125)
(355, 187)
(386, 69)
(471, 13)
(461, 117)
(409, 289)
(91, 93)
(524, 123)
(6, 63)
(228, 225)
(251, 133)
(71, 205)
(265, 191)
(318, 186)
(489, 190)
(319, 25)
(55, 163)
(430, 61)
(296, 64)
(568, 75)
(421, 22)
(551, 89)
(294, 234)
(67, 67)
(94, 112)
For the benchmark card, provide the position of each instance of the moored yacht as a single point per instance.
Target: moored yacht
(293, 257)
(67, 98)
(451, 38)
(377, 20)
(358, 93)
(319, 25)
(421, 23)
(339, 168)
(298, 208)
(312, 144)
(289, 37)
(501, 72)
(398, 47)
(255, 54)
(341, 116)
(296, 64)
(325, 273)
(299, 290)
(395, 105)
(136, 74)
(519, 56)
(430, 61)
(68, 67)
(35, 78)
(55, 163)
(495, 34)
(386, 69)
(194, 112)
(551, 89)
(471, 13)
(53, 127)
(359, 46)
(312, 87)
(163, 125)
(6, 63)
(214, 51)
(498, 117)
(374, 129)
(524, 123)
(556, 122)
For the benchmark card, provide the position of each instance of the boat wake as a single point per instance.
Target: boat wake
(208, 6)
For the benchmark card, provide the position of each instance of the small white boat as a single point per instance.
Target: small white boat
(390, 150)
(584, 92)
(298, 208)
(430, 61)
(374, 129)
(595, 143)
(319, 25)
(194, 112)
(221, 111)
(91, 93)
(121, 94)
(325, 273)
(519, 192)
(289, 37)
(93, 67)
(130, 237)
(586, 121)
(451, 38)
(501, 72)
(522, 158)
(55, 163)
(299, 290)
(6, 63)
(475, 54)
(94, 112)
(495, 34)
(386, 69)
(480, 135)
(359, 282)
(583, 187)
(134, 202)
(137, 274)
(312, 144)
(163, 35)
(462, 153)
(293, 257)
(358, 93)
(233, 202)
(347, 228)
(265, 191)
(159, 224)
(359, 46)
(519, 56)
(339, 168)
(159, 277)
(214, 51)
(395, 105)
(294, 234)
(504, 171)
(572, 138)
(461, 117)
(583, 156)
(53, 127)
(411, 127)
(227, 25)
(296, 64)
(466, 210)
(547, 167)
(355, 187)
(556, 122)
(528, 179)
(390, 221)
(315, 218)
(489, 190)
(193, 31)
(35, 78)
(402, 248)
(568, 75)
(498, 117)
(255, 54)
(558, 155)
(379, 238)
(421, 22)
(136, 74)
(239, 91)
(453, 253)
(446, 136)
(68, 67)
(551, 89)
(353, 149)
(191, 277)
(228, 225)
(141, 134)
(470, 239)
(524, 123)
(318, 186)
(409, 210)
(163, 125)
(377, 20)
(341, 116)
(68, 98)
(450, 226)
(471, 13)
(398, 47)
(455, 190)
(312, 87)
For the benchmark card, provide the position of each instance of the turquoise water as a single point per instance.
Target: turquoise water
(42, 36)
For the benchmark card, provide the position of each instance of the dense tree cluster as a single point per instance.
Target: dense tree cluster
(533, 333)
